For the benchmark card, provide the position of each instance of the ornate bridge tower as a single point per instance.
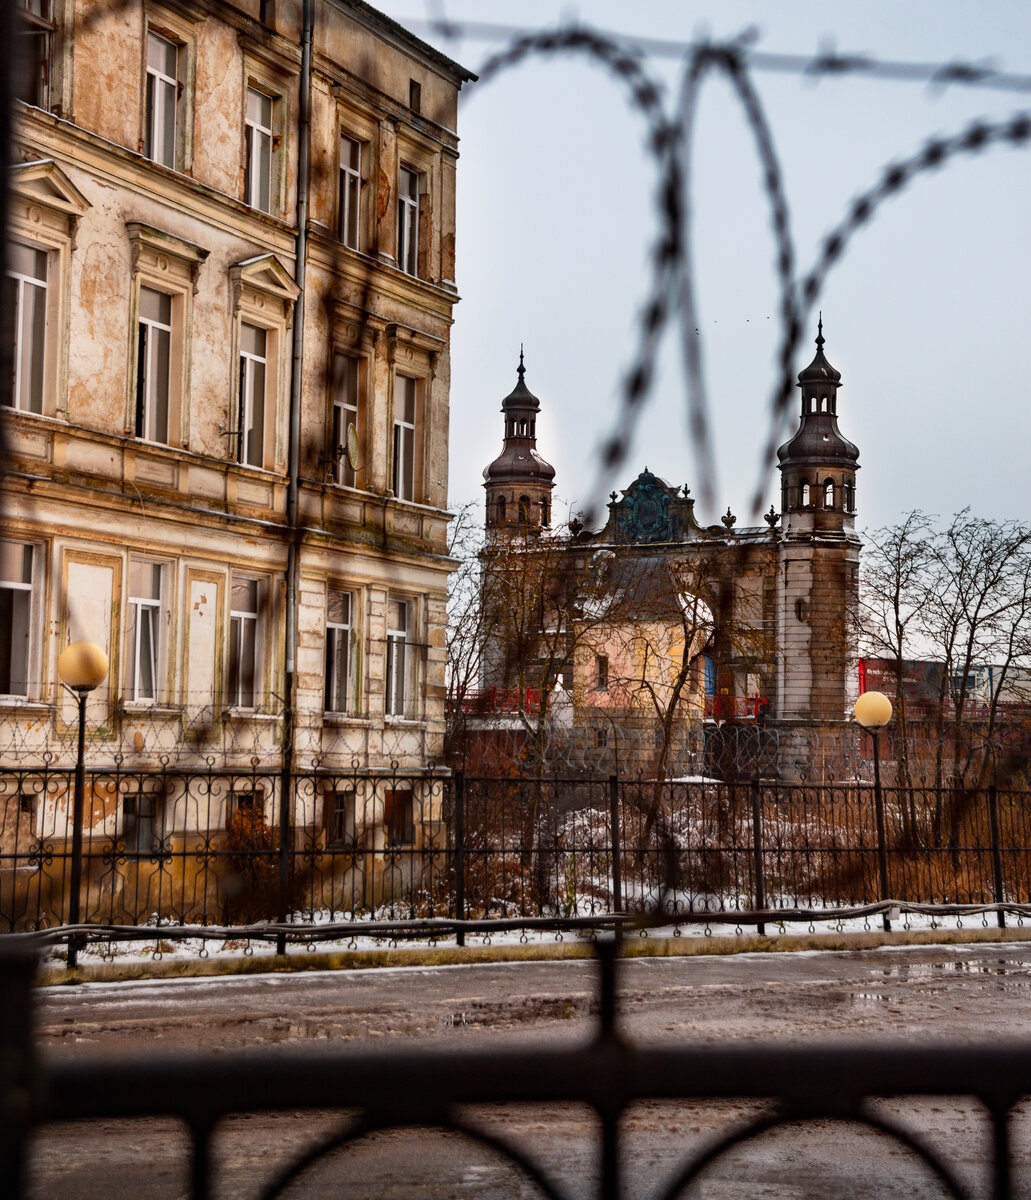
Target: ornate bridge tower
(519, 482)
(819, 561)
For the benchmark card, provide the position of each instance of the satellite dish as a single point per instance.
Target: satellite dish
(352, 447)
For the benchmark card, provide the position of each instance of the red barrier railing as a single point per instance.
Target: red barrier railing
(501, 700)
(727, 708)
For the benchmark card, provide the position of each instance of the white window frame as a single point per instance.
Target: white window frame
(30, 397)
(263, 297)
(399, 674)
(134, 625)
(21, 587)
(260, 140)
(346, 411)
(45, 208)
(162, 89)
(150, 333)
(408, 219)
(339, 686)
(169, 266)
(36, 21)
(405, 445)
(245, 413)
(240, 620)
(349, 193)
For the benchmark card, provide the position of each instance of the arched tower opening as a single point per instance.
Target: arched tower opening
(519, 472)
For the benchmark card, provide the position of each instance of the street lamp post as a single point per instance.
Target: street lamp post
(873, 712)
(81, 668)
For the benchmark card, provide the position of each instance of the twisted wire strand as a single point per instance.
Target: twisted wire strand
(727, 59)
(645, 95)
(827, 63)
(1013, 132)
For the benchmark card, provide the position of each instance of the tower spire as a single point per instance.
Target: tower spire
(519, 481)
(820, 339)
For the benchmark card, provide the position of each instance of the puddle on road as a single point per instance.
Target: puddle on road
(1007, 974)
(1016, 969)
(503, 1013)
(509, 1012)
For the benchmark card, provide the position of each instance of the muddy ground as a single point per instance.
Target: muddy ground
(952, 996)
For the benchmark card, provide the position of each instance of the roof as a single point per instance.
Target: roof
(819, 370)
(445, 65)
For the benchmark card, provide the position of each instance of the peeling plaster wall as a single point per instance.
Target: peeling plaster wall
(83, 484)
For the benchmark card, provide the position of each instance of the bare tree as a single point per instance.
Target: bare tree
(959, 596)
(975, 613)
(895, 577)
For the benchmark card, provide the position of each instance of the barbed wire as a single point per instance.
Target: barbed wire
(669, 142)
(827, 63)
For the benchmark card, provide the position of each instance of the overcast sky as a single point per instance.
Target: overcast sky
(927, 318)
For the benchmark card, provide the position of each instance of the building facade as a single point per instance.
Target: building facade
(699, 634)
(231, 271)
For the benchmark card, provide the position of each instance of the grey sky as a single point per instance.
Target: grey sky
(927, 318)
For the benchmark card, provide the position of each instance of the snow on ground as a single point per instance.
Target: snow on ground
(163, 945)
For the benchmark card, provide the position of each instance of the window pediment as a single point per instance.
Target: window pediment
(164, 252)
(44, 183)
(407, 348)
(265, 274)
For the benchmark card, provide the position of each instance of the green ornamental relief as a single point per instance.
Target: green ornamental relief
(646, 516)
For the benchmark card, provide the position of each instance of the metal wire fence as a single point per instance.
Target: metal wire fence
(186, 849)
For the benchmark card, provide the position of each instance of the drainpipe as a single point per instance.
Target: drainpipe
(294, 468)
(8, 70)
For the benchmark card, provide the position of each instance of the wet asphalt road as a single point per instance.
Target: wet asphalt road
(956, 996)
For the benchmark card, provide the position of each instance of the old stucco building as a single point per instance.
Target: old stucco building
(766, 613)
(232, 264)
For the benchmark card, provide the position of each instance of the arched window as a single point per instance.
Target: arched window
(522, 429)
(828, 493)
(524, 510)
(850, 497)
(805, 494)
(545, 512)
(501, 510)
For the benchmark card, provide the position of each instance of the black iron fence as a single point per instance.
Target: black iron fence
(182, 849)
(379, 1090)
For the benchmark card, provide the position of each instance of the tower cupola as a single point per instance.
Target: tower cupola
(818, 465)
(519, 482)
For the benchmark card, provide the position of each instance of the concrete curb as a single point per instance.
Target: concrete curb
(634, 946)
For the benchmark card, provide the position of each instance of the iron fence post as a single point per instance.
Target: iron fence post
(78, 804)
(286, 791)
(460, 854)
(882, 851)
(617, 850)
(757, 855)
(1002, 1157)
(18, 1089)
(993, 825)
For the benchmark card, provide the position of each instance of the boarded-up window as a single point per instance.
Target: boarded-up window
(399, 817)
(141, 830)
(338, 814)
